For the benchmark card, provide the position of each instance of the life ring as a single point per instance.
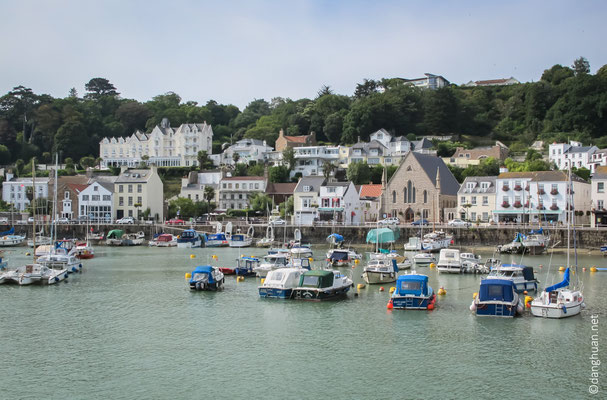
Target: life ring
(307, 295)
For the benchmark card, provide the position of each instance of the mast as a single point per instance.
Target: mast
(437, 196)
(568, 213)
(34, 207)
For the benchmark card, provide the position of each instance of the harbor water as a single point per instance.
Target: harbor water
(128, 327)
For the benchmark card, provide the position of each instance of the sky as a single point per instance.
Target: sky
(236, 51)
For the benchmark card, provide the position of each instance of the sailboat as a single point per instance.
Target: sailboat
(268, 240)
(84, 250)
(560, 300)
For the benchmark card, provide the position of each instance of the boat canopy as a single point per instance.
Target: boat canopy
(496, 290)
(204, 269)
(164, 237)
(238, 237)
(9, 232)
(215, 236)
(338, 255)
(537, 231)
(563, 283)
(382, 235)
(115, 234)
(189, 233)
(519, 238)
(416, 285)
(335, 238)
(316, 279)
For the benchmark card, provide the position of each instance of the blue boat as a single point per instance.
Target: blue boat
(215, 240)
(497, 298)
(206, 277)
(245, 266)
(189, 238)
(412, 293)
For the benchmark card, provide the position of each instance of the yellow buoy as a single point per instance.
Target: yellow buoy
(360, 286)
(263, 280)
(356, 261)
(214, 257)
(27, 254)
(432, 265)
(442, 291)
(474, 295)
(561, 269)
(392, 289)
(311, 259)
(240, 279)
(188, 275)
(192, 256)
(593, 269)
(528, 299)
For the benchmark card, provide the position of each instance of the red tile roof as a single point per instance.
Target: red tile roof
(370, 191)
(76, 187)
(297, 139)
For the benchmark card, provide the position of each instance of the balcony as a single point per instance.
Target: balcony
(554, 192)
(505, 188)
(517, 204)
(541, 192)
(518, 188)
(505, 204)
(554, 207)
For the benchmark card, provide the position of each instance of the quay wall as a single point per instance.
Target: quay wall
(586, 238)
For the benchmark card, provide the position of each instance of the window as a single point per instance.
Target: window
(470, 185)
(305, 202)
(485, 216)
(139, 188)
(473, 216)
(67, 195)
(394, 196)
(197, 198)
(485, 200)
(555, 187)
(240, 196)
(120, 188)
(600, 187)
(106, 197)
(95, 197)
(505, 199)
(139, 199)
(425, 196)
(225, 185)
(517, 199)
(307, 188)
(120, 201)
(130, 188)
(473, 200)
(85, 197)
(600, 204)
(484, 185)
(130, 200)
(229, 186)
(463, 199)
(236, 186)
(330, 189)
(95, 188)
(130, 213)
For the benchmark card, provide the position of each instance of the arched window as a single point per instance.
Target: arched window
(409, 191)
(404, 195)
(425, 196)
(413, 195)
(394, 196)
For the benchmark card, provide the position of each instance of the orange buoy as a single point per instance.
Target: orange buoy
(431, 306)
(390, 305)
(381, 288)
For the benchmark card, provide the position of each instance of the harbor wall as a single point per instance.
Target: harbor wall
(586, 238)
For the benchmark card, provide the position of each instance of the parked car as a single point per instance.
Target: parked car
(21, 222)
(126, 220)
(30, 220)
(277, 221)
(459, 222)
(175, 221)
(4, 221)
(390, 221)
(63, 220)
(420, 222)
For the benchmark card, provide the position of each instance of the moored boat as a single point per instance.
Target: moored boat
(380, 270)
(322, 285)
(83, 251)
(522, 276)
(163, 240)
(558, 301)
(206, 277)
(423, 259)
(279, 284)
(271, 262)
(449, 262)
(497, 298)
(215, 240)
(412, 293)
(9, 238)
(189, 238)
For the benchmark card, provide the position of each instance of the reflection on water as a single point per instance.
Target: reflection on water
(129, 328)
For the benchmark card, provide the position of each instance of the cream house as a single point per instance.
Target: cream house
(305, 200)
(136, 190)
(476, 198)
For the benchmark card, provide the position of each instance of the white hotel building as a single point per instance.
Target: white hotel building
(14, 191)
(164, 146)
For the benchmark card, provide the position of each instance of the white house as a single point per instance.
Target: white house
(305, 200)
(193, 186)
(14, 190)
(598, 159)
(96, 201)
(476, 198)
(539, 196)
(340, 202)
(429, 81)
(247, 149)
(599, 197)
(164, 146)
(573, 154)
(309, 160)
(235, 191)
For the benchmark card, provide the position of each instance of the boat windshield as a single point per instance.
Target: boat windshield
(200, 277)
(310, 281)
(410, 285)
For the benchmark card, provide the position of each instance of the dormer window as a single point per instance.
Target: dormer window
(67, 195)
(307, 188)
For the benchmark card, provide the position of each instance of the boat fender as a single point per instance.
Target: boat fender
(432, 265)
(442, 291)
(392, 289)
(263, 280)
(356, 261)
(360, 286)
(473, 307)
(80, 265)
(528, 300)
(390, 305)
(56, 279)
(474, 295)
(561, 269)
(431, 306)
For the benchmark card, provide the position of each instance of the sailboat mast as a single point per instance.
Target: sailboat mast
(568, 214)
(34, 206)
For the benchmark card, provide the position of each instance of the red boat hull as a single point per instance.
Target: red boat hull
(228, 271)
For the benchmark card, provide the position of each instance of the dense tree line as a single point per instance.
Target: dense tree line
(567, 102)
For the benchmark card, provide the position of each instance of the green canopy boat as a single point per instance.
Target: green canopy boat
(382, 235)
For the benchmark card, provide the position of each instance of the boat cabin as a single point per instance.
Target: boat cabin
(412, 285)
(316, 279)
(189, 234)
(496, 290)
(203, 273)
(339, 256)
(283, 277)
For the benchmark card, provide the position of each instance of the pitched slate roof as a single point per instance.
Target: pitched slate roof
(430, 164)
(314, 181)
(243, 178)
(477, 188)
(297, 139)
(540, 176)
(422, 144)
(578, 149)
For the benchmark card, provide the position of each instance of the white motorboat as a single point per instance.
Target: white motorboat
(40, 240)
(279, 284)
(380, 270)
(58, 261)
(322, 285)
(11, 240)
(270, 263)
(240, 240)
(436, 241)
(414, 244)
(33, 273)
(301, 251)
(449, 262)
(522, 276)
(471, 264)
(163, 240)
(188, 239)
(424, 259)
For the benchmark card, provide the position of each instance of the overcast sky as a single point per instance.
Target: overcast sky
(237, 51)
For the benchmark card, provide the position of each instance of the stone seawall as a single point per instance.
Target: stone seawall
(586, 238)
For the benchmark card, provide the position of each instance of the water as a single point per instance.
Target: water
(129, 328)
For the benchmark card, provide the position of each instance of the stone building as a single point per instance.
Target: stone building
(283, 142)
(422, 187)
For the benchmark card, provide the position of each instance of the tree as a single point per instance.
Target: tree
(204, 162)
(87, 162)
(99, 87)
(235, 157)
(359, 173)
(288, 156)
(324, 90)
(286, 207)
(278, 174)
(368, 87)
(260, 202)
(209, 194)
(240, 169)
(5, 155)
(328, 168)
(73, 93)
(256, 170)
(581, 66)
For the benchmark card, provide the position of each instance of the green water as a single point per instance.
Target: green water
(129, 328)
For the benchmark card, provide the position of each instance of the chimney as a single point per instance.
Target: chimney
(281, 133)
(266, 174)
(192, 177)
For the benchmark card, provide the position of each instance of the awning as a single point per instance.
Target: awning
(521, 211)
